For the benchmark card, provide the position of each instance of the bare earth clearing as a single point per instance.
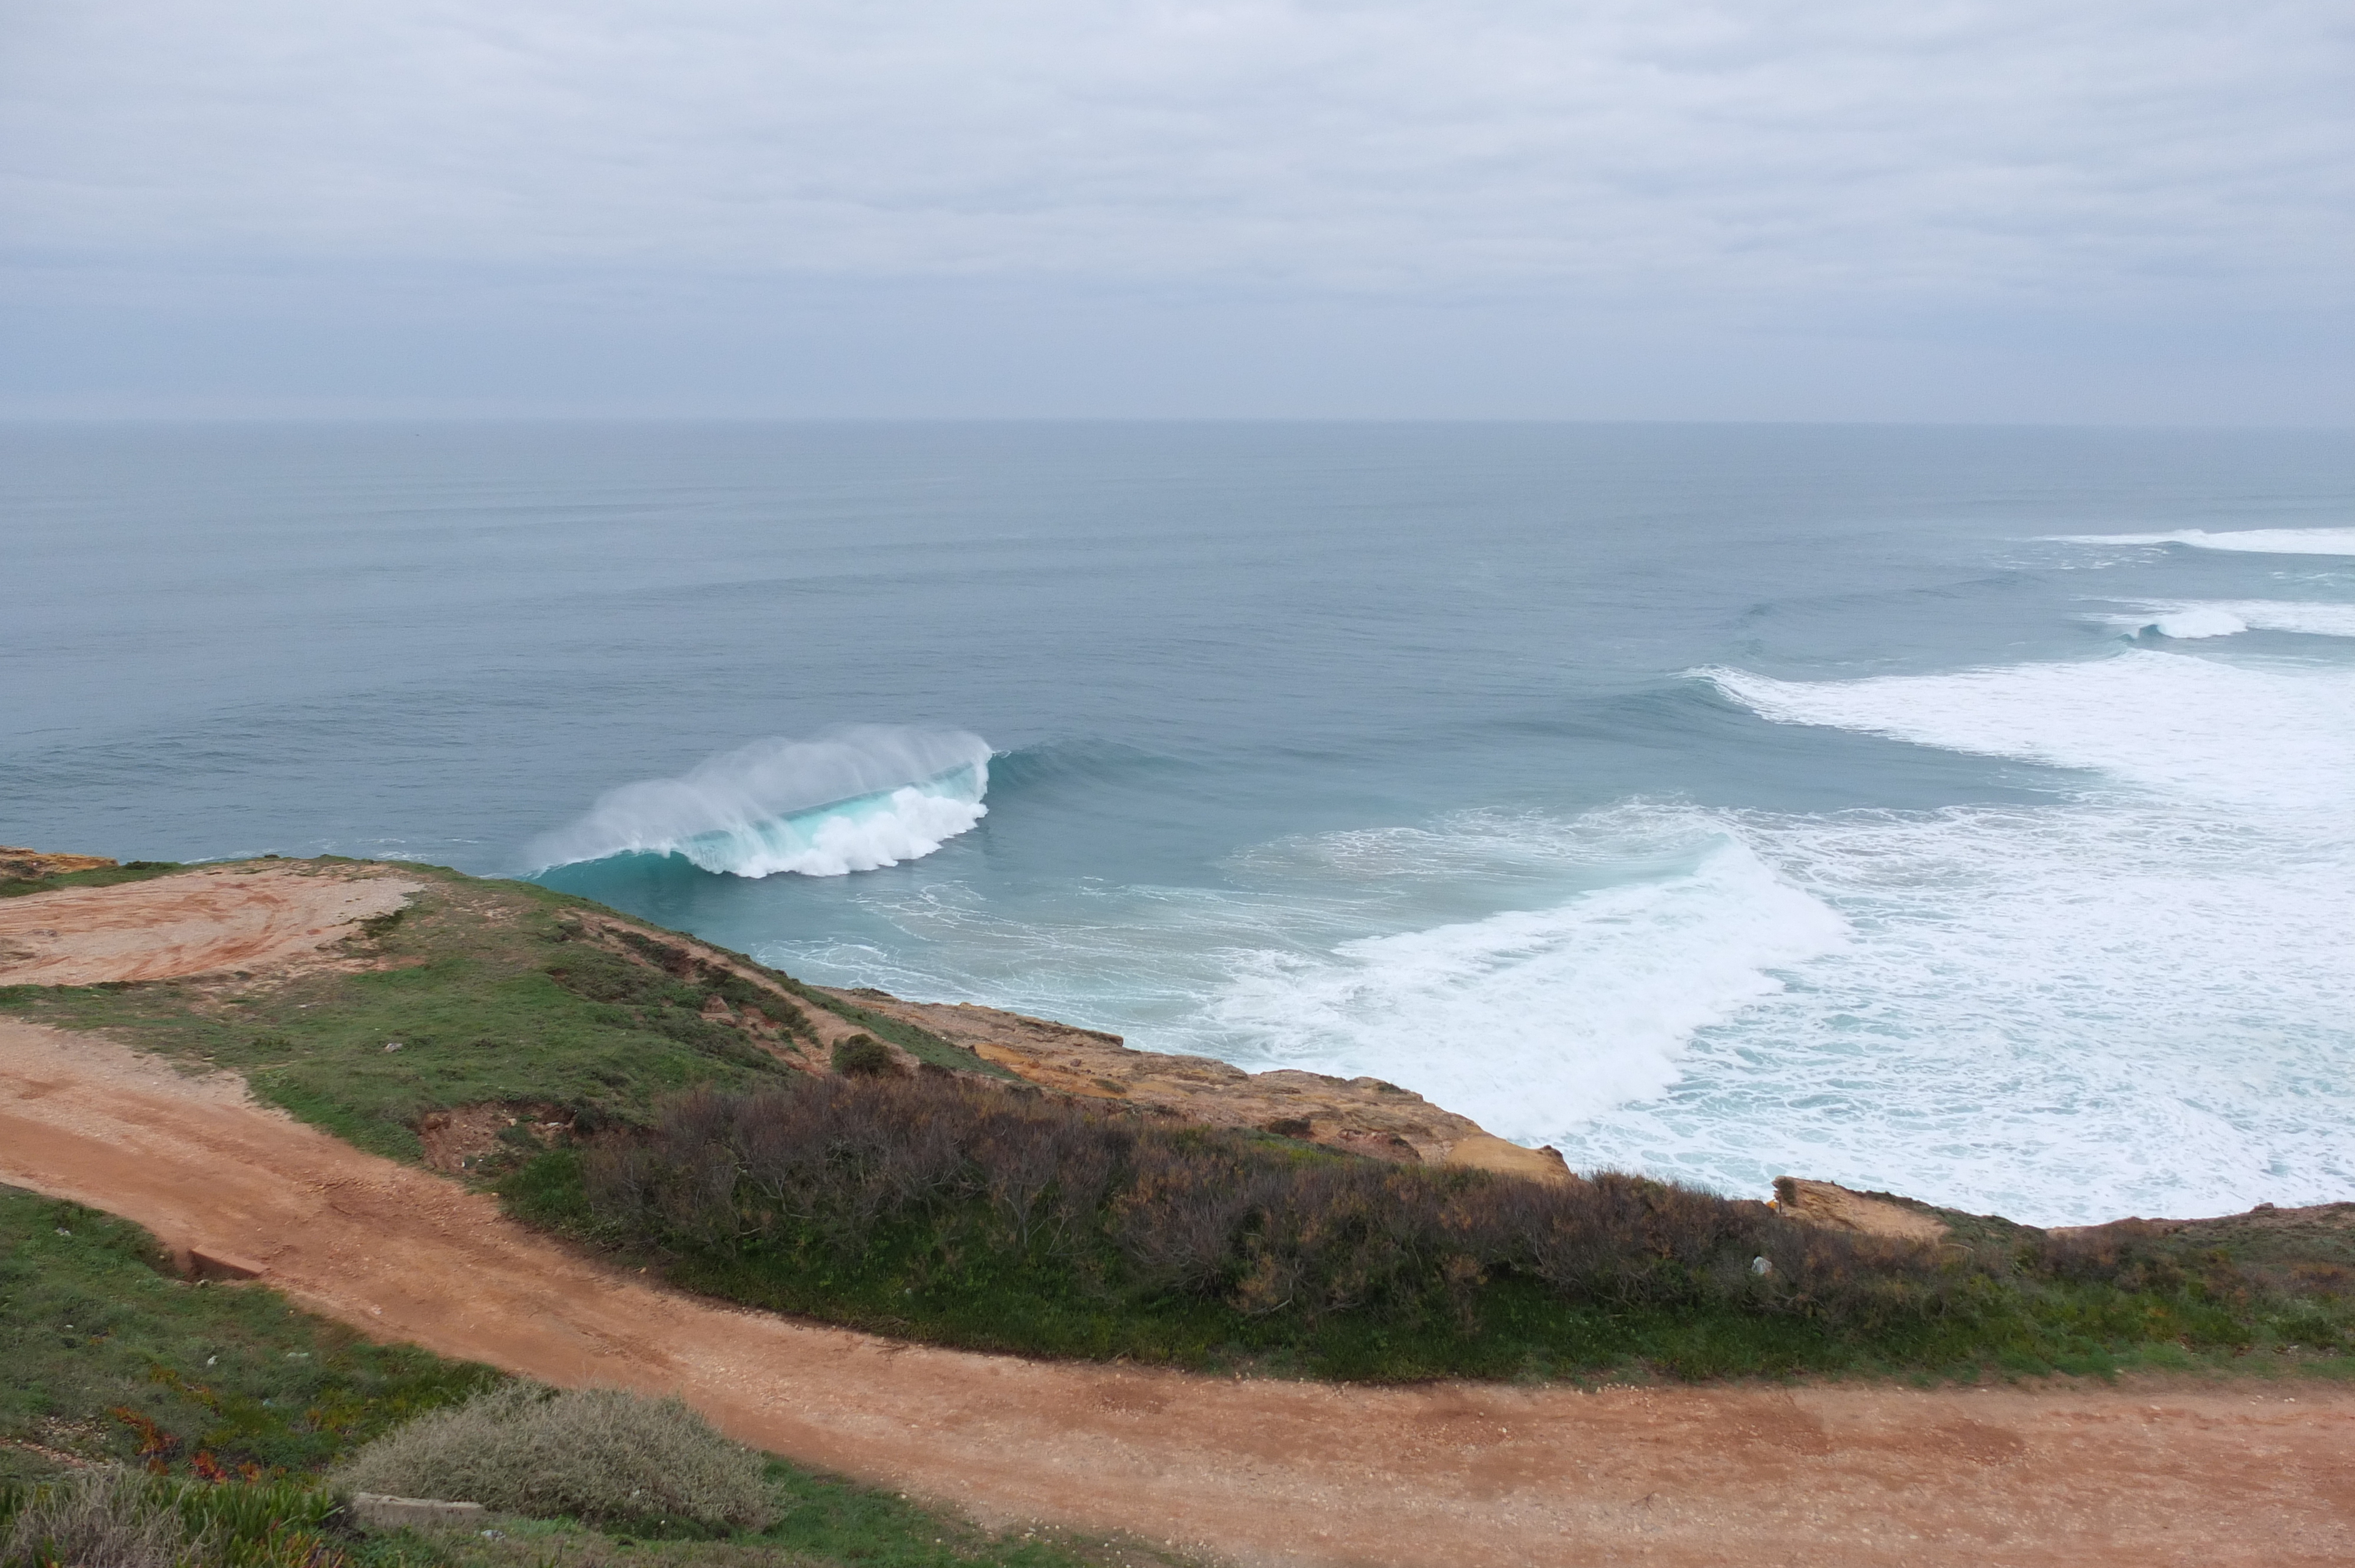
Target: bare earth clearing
(225, 918)
(1258, 1471)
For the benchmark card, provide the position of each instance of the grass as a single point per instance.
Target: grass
(97, 877)
(107, 1359)
(491, 996)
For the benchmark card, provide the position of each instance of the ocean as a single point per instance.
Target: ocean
(1964, 812)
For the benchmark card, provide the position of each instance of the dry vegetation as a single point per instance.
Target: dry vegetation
(598, 1455)
(980, 1217)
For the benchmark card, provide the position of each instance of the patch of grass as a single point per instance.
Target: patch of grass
(105, 1357)
(99, 876)
(922, 1044)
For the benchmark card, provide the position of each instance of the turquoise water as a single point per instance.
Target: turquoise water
(1961, 811)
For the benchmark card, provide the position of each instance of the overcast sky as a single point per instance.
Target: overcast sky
(2097, 210)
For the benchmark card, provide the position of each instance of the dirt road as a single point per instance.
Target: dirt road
(1260, 1472)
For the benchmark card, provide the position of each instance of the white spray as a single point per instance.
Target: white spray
(852, 799)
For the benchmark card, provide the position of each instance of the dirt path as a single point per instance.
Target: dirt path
(211, 919)
(1260, 1472)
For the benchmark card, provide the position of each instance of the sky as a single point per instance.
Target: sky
(2043, 211)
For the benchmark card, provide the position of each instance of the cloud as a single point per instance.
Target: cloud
(1833, 162)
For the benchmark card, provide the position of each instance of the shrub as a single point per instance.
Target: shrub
(598, 1455)
(109, 1518)
(864, 1056)
(1142, 1211)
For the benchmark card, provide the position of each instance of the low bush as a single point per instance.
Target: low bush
(597, 1455)
(864, 1056)
(103, 1518)
(955, 1212)
(114, 1517)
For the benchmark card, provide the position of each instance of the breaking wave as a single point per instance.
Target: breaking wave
(2260, 541)
(2185, 620)
(854, 799)
(2274, 736)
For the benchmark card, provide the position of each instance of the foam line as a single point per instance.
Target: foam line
(2260, 541)
(2271, 736)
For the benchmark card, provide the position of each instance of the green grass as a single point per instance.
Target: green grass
(103, 1355)
(491, 998)
(100, 877)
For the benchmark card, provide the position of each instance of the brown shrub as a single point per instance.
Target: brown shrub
(1215, 1214)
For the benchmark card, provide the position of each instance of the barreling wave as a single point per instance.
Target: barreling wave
(2259, 541)
(854, 799)
(2185, 620)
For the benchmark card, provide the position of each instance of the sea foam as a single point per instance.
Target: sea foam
(2191, 619)
(1530, 1019)
(2131, 999)
(2272, 736)
(2260, 541)
(854, 799)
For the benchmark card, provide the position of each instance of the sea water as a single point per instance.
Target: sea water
(1965, 812)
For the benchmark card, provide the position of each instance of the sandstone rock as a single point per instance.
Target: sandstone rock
(1362, 1115)
(1835, 1208)
(31, 865)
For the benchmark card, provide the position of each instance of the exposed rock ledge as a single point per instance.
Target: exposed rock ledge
(32, 866)
(1364, 1116)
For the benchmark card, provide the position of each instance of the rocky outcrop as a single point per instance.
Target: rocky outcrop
(1832, 1207)
(1363, 1115)
(32, 866)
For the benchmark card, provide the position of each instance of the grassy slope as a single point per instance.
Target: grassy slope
(477, 1014)
(95, 1340)
(492, 1000)
(89, 1325)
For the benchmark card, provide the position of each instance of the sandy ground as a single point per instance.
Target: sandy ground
(1260, 1471)
(209, 920)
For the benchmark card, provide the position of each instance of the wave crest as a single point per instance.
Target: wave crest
(854, 799)
(2274, 736)
(2186, 619)
(2258, 540)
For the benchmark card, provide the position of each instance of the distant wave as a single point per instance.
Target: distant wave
(2262, 541)
(853, 799)
(2276, 737)
(2188, 620)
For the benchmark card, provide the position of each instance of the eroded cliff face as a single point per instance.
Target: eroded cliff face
(1363, 1115)
(31, 865)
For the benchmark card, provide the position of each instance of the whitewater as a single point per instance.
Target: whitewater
(1965, 813)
